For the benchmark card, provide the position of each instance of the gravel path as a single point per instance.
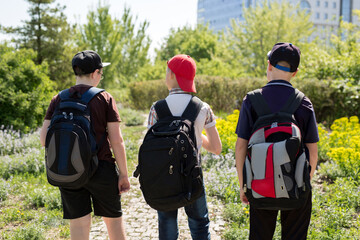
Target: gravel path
(141, 220)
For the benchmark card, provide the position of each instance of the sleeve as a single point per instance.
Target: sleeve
(311, 134)
(51, 108)
(112, 113)
(153, 118)
(245, 121)
(210, 120)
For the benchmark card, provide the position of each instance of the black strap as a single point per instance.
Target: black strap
(258, 102)
(85, 98)
(191, 111)
(293, 102)
(262, 108)
(162, 109)
(64, 94)
(89, 94)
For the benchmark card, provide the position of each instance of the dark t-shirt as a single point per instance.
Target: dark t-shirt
(276, 93)
(103, 110)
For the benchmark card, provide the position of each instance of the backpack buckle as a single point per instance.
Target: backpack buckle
(176, 122)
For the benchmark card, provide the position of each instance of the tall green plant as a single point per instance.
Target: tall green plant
(338, 60)
(25, 89)
(49, 35)
(199, 42)
(266, 24)
(118, 41)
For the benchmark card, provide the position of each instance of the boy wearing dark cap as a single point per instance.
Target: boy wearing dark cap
(180, 75)
(283, 62)
(108, 182)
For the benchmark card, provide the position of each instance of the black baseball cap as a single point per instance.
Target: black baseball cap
(88, 61)
(285, 52)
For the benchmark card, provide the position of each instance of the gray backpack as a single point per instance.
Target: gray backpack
(276, 171)
(71, 147)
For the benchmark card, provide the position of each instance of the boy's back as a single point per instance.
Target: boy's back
(101, 193)
(102, 109)
(178, 101)
(180, 82)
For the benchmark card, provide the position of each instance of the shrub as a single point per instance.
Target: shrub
(222, 180)
(28, 232)
(144, 94)
(334, 211)
(12, 141)
(343, 147)
(226, 128)
(331, 99)
(48, 197)
(131, 117)
(25, 89)
(30, 162)
(223, 94)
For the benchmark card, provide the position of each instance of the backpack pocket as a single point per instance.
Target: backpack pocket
(67, 156)
(273, 170)
(302, 173)
(263, 170)
(160, 169)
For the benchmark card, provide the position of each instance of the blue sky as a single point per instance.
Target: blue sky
(162, 14)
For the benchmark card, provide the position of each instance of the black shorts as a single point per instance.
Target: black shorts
(102, 190)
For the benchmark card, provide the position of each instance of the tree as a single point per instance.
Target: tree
(199, 42)
(205, 46)
(117, 41)
(266, 24)
(25, 89)
(337, 60)
(49, 35)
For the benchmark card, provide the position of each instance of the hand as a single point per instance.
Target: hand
(243, 198)
(123, 184)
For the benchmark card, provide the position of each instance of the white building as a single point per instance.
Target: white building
(325, 14)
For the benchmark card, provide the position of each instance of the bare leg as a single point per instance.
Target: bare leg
(115, 227)
(80, 228)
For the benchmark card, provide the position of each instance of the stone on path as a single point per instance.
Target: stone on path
(141, 221)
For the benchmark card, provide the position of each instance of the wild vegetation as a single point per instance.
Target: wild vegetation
(35, 66)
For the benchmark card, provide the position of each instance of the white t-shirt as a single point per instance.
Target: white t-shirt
(177, 103)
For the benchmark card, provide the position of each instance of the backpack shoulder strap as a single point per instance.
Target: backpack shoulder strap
(258, 102)
(89, 94)
(293, 102)
(162, 109)
(64, 94)
(193, 108)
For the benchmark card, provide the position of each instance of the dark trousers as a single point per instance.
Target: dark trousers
(294, 223)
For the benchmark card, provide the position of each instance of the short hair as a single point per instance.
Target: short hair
(79, 72)
(284, 64)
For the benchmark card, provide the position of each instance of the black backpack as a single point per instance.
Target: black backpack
(71, 148)
(169, 163)
(276, 171)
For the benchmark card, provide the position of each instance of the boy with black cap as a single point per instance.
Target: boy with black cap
(283, 62)
(107, 183)
(180, 75)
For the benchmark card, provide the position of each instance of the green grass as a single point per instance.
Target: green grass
(30, 208)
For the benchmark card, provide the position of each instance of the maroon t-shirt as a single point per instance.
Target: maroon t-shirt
(102, 109)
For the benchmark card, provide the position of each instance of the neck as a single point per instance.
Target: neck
(85, 81)
(278, 78)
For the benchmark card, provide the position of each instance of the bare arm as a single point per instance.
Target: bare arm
(313, 155)
(43, 132)
(118, 147)
(211, 141)
(240, 155)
